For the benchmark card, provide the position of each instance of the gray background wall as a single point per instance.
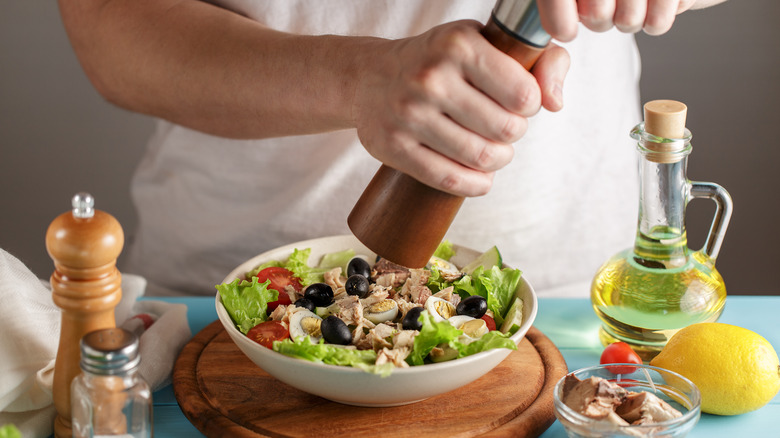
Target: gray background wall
(58, 137)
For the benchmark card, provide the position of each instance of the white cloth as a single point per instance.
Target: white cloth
(29, 338)
(565, 204)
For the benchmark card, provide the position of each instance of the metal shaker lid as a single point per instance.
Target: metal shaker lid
(520, 18)
(110, 351)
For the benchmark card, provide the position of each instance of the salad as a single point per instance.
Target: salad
(373, 314)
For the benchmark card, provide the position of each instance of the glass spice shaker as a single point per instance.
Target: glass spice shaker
(109, 397)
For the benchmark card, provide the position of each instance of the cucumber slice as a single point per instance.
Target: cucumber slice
(324, 312)
(514, 317)
(487, 259)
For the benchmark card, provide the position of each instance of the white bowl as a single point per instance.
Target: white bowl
(353, 386)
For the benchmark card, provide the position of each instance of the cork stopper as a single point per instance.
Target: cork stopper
(665, 118)
(668, 141)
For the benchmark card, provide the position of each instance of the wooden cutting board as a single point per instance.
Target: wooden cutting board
(223, 393)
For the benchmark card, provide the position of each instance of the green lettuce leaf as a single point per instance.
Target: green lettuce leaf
(10, 431)
(488, 341)
(435, 282)
(445, 250)
(496, 285)
(332, 355)
(298, 263)
(432, 334)
(337, 260)
(499, 286)
(254, 272)
(246, 301)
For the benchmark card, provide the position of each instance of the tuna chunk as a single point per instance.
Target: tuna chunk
(601, 399)
(387, 273)
(380, 336)
(593, 397)
(396, 356)
(646, 408)
(334, 279)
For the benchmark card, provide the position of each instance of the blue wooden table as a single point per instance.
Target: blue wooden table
(572, 326)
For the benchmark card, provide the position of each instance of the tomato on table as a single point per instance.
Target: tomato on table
(279, 278)
(267, 332)
(620, 352)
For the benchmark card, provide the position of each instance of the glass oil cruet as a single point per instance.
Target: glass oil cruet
(644, 294)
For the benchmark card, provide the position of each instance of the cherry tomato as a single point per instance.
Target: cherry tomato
(267, 332)
(280, 278)
(620, 352)
(489, 322)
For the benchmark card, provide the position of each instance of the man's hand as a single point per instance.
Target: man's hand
(654, 17)
(446, 106)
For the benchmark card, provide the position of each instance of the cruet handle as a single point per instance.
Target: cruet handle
(722, 214)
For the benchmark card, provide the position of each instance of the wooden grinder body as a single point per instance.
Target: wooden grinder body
(86, 285)
(404, 220)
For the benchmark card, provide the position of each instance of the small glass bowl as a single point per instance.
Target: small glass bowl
(669, 386)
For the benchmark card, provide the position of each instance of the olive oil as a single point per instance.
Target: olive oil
(645, 294)
(644, 304)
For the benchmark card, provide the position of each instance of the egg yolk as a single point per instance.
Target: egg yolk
(311, 326)
(382, 306)
(444, 309)
(474, 328)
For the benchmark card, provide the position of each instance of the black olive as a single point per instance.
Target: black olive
(305, 303)
(335, 331)
(474, 306)
(358, 266)
(319, 293)
(411, 319)
(357, 285)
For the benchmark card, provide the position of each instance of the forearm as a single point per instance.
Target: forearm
(213, 70)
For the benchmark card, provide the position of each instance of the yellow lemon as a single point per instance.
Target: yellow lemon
(736, 369)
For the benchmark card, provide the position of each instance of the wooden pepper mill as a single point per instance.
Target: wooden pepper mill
(404, 220)
(84, 245)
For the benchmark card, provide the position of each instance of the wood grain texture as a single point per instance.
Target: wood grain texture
(402, 219)
(224, 394)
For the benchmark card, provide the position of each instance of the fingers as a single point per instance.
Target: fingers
(561, 17)
(550, 71)
(660, 16)
(597, 15)
(445, 107)
(502, 79)
(630, 15)
(402, 149)
(464, 146)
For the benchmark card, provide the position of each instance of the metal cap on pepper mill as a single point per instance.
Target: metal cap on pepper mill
(404, 220)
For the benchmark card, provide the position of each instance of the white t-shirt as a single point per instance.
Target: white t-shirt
(565, 204)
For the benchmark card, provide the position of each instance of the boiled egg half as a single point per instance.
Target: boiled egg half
(305, 323)
(439, 308)
(383, 311)
(446, 267)
(472, 328)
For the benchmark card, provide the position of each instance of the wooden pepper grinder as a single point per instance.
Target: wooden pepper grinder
(84, 245)
(404, 220)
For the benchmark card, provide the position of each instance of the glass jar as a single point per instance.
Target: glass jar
(109, 397)
(645, 294)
